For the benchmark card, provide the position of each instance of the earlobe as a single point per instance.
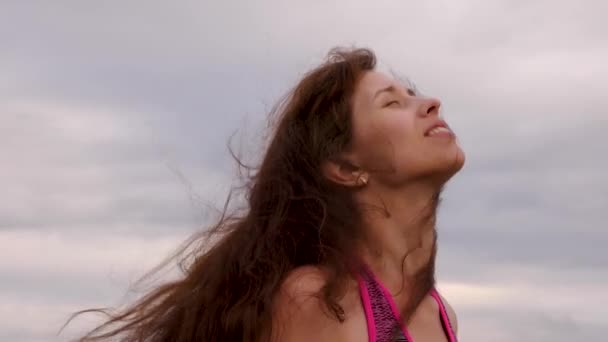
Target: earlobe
(344, 173)
(332, 171)
(362, 179)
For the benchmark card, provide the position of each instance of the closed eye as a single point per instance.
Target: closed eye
(391, 103)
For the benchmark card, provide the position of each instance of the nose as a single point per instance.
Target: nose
(430, 106)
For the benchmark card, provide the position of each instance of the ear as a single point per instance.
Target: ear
(344, 173)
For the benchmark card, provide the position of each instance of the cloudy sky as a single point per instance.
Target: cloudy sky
(114, 119)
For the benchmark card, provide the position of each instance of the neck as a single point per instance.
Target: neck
(399, 238)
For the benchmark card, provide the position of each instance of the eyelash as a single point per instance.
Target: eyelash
(410, 92)
(391, 102)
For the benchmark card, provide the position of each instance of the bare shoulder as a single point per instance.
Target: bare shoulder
(299, 313)
(303, 281)
(451, 313)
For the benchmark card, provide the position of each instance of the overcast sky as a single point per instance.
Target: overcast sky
(114, 119)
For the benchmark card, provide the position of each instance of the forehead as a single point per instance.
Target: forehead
(372, 81)
(367, 87)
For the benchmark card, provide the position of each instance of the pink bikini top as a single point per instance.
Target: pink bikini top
(383, 319)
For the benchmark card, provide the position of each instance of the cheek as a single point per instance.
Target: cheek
(395, 131)
(400, 129)
(393, 126)
(386, 140)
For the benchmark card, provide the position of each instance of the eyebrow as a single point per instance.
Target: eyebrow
(387, 89)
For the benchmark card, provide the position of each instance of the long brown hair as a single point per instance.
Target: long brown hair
(294, 216)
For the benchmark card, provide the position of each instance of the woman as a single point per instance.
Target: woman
(337, 242)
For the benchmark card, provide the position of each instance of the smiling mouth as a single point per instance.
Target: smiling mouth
(439, 131)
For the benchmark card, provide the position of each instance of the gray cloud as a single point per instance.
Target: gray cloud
(532, 326)
(103, 107)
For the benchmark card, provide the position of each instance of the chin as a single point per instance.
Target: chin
(447, 168)
(458, 160)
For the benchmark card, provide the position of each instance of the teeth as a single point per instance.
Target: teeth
(437, 130)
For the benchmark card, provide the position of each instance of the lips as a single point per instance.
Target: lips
(437, 127)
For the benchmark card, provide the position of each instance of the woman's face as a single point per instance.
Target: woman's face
(398, 135)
